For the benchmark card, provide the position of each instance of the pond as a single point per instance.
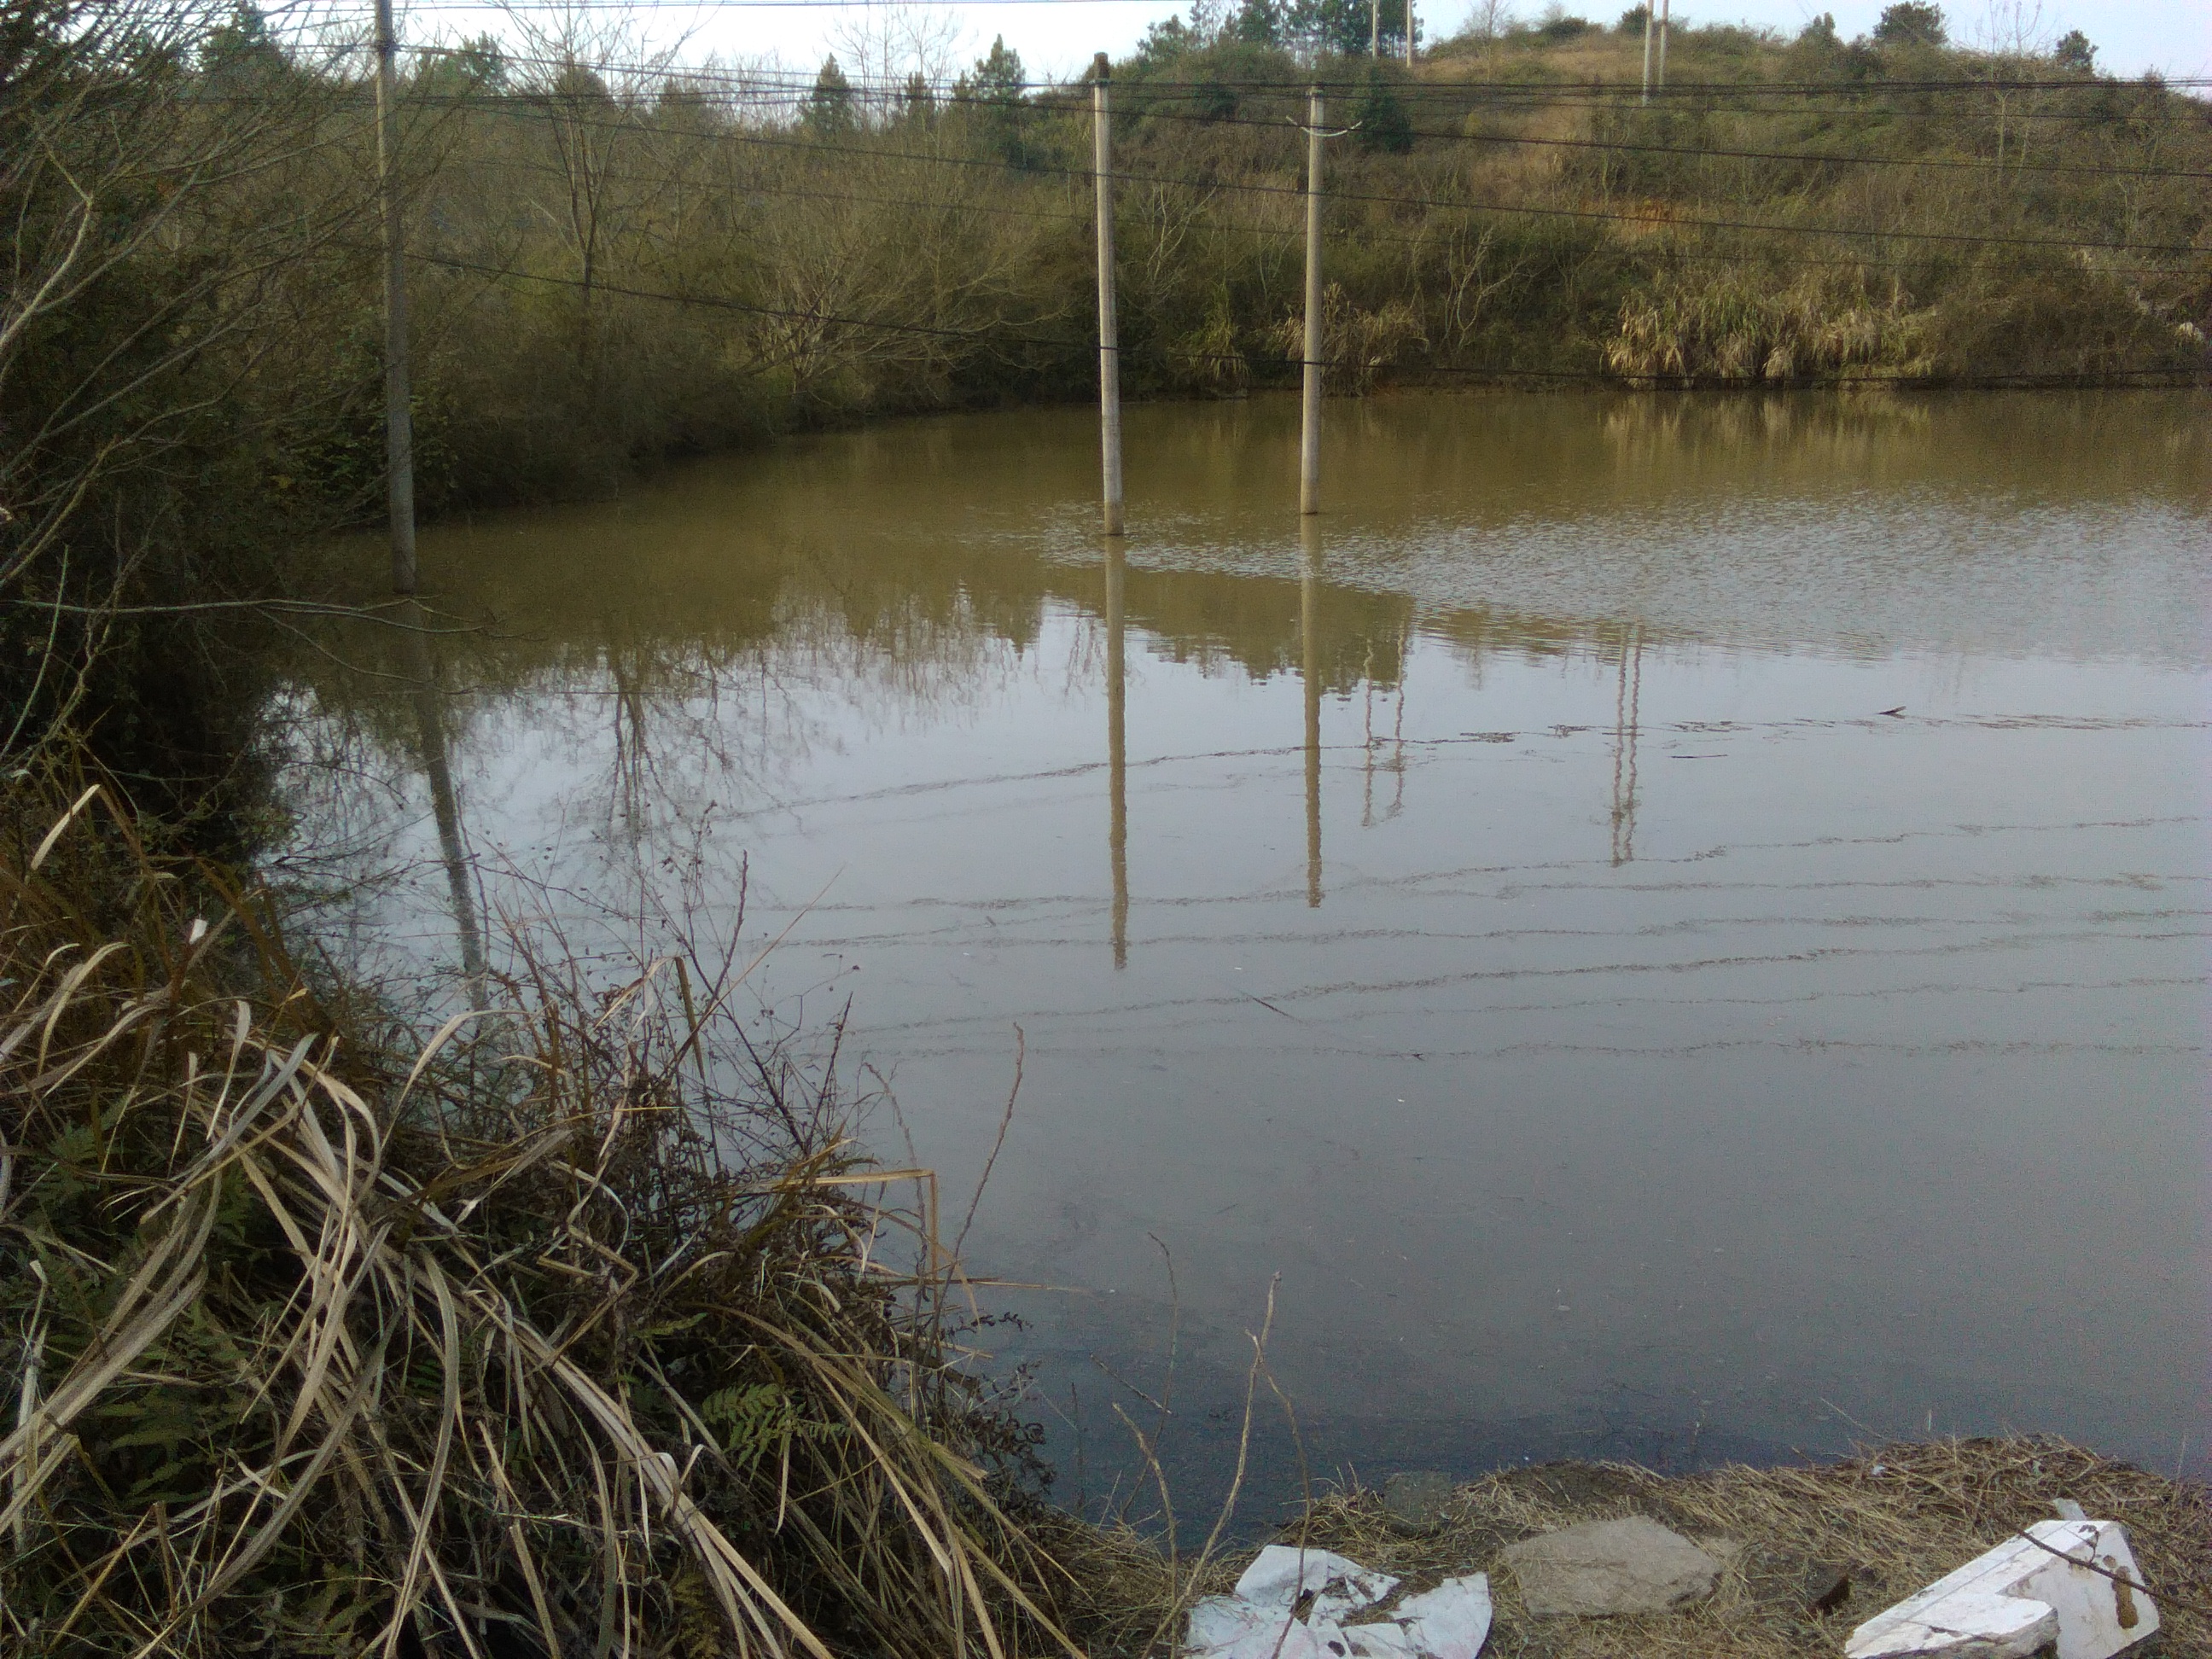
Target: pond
(1655, 927)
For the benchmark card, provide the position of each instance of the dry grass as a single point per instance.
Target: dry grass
(582, 1330)
(1895, 1518)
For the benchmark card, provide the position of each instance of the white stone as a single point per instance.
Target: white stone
(1603, 1567)
(2016, 1598)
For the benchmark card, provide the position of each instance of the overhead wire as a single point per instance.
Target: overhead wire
(1001, 336)
(768, 86)
(757, 187)
(796, 96)
(1359, 235)
(1651, 217)
(1350, 72)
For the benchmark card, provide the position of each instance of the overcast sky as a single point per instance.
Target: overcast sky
(1056, 37)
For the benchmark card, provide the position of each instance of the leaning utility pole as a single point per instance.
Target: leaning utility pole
(398, 433)
(1310, 434)
(1110, 346)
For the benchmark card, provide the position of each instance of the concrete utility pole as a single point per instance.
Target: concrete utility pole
(1409, 33)
(1662, 46)
(1374, 29)
(1650, 18)
(398, 427)
(1310, 434)
(1110, 345)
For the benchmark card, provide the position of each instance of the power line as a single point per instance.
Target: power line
(1468, 98)
(1588, 215)
(1358, 235)
(1349, 73)
(797, 95)
(722, 302)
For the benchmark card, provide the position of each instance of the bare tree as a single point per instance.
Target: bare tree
(886, 46)
(169, 171)
(593, 80)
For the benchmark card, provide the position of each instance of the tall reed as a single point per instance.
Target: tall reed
(584, 1329)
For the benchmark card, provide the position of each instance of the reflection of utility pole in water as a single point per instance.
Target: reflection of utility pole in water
(445, 805)
(1396, 764)
(1310, 652)
(629, 741)
(1117, 756)
(1628, 693)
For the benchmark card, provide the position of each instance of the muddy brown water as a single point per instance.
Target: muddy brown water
(1663, 928)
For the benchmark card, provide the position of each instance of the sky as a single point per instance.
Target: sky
(1056, 38)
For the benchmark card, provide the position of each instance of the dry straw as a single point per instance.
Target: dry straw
(1893, 1518)
(581, 1331)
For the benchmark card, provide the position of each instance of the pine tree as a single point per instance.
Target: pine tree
(828, 112)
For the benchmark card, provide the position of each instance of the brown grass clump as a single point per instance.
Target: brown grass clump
(582, 1330)
(1894, 1518)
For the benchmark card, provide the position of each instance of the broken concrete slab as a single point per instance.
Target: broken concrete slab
(2031, 1591)
(1416, 1499)
(1962, 1624)
(1608, 1567)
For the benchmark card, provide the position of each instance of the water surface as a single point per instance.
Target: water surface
(1658, 927)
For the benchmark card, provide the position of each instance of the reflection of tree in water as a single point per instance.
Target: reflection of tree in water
(697, 695)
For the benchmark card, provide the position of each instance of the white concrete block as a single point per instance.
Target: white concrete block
(2016, 1598)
